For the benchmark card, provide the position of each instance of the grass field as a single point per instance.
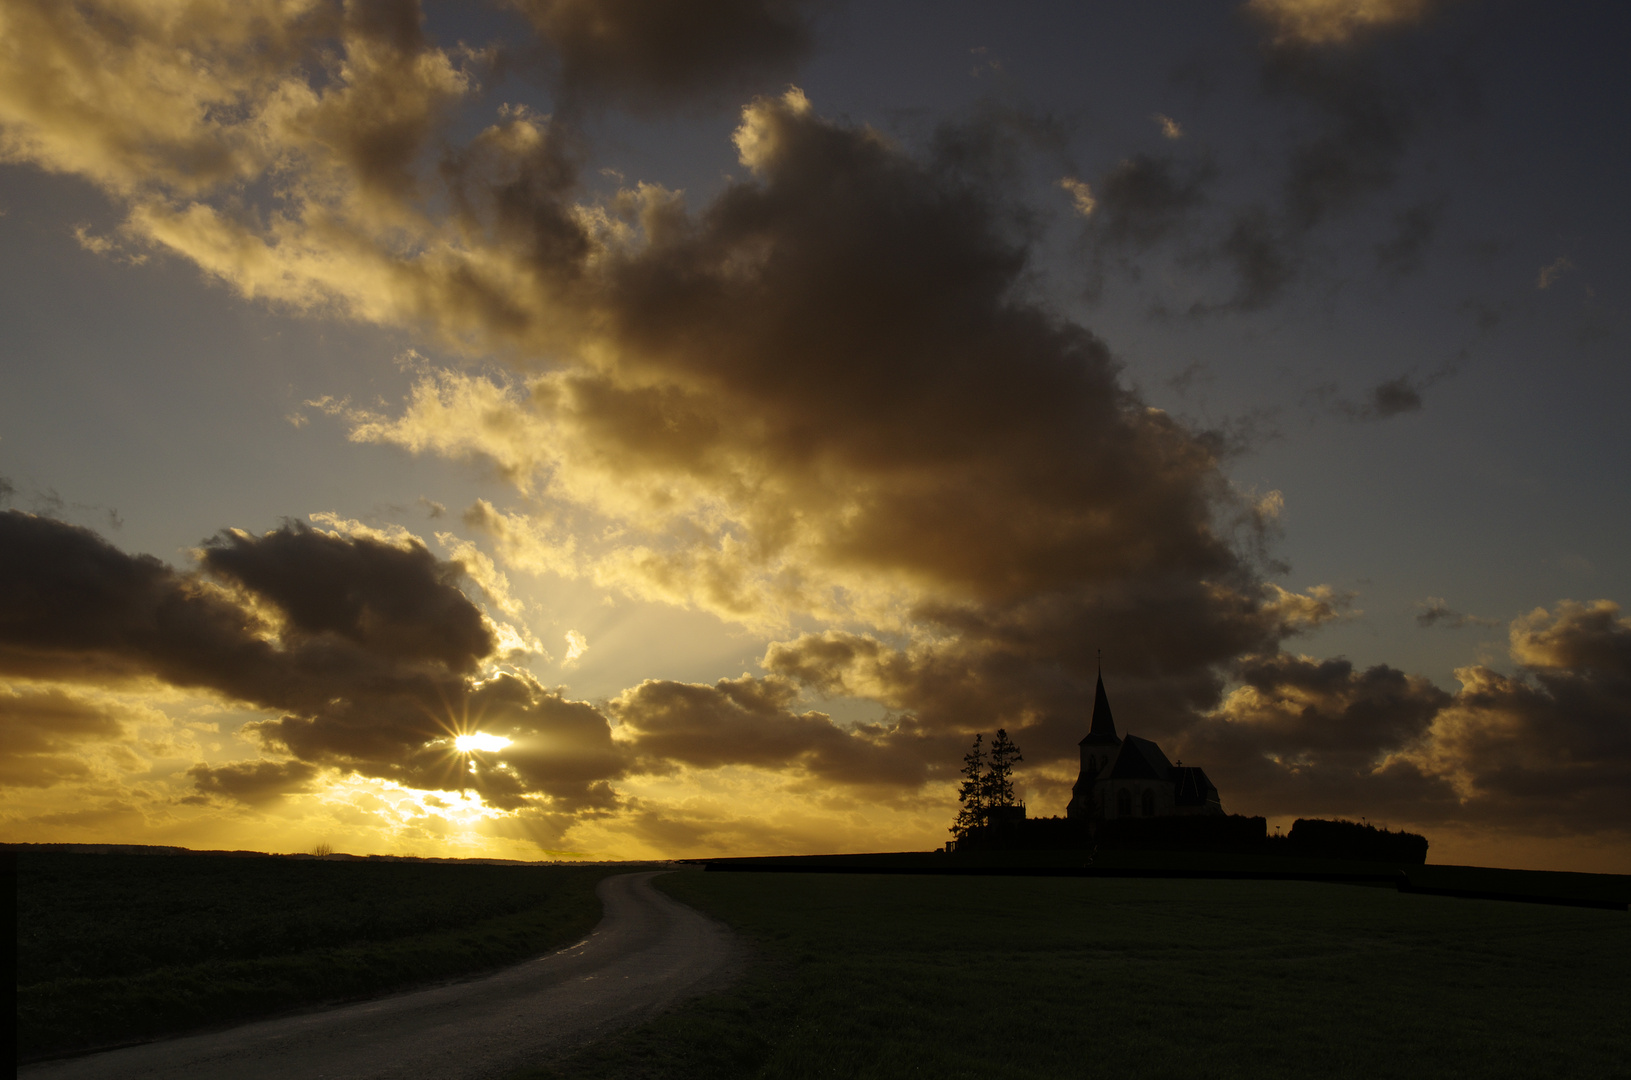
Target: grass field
(890, 976)
(118, 947)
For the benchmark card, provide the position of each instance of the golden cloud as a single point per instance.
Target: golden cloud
(1081, 195)
(1332, 22)
(1544, 753)
(43, 732)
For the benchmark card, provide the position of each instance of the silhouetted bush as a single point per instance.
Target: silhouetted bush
(1011, 830)
(1354, 840)
(1221, 832)
(1200, 833)
(1234, 833)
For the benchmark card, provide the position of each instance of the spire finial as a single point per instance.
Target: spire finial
(1101, 661)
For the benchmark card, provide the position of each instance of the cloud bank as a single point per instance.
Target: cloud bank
(826, 404)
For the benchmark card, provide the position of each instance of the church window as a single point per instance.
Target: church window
(1124, 803)
(1149, 803)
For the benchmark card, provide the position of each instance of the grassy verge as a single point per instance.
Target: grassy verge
(889, 976)
(119, 947)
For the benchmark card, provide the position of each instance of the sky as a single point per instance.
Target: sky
(738, 405)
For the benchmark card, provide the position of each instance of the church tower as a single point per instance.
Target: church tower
(1097, 748)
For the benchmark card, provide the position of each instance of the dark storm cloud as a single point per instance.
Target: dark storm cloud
(367, 648)
(1546, 751)
(74, 607)
(559, 747)
(254, 782)
(1585, 637)
(392, 601)
(1550, 749)
(1319, 737)
(373, 126)
(1387, 399)
(751, 721)
(821, 297)
(1391, 398)
(864, 308)
(511, 185)
(648, 53)
(1022, 666)
(1343, 711)
(1436, 612)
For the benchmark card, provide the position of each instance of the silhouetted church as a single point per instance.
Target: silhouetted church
(1122, 780)
(1131, 777)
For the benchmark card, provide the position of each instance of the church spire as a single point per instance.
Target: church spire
(1103, 727)
(1103, 723)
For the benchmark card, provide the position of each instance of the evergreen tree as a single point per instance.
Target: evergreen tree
(999, 780)
(971, 812)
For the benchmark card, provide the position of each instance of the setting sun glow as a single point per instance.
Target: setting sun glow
(479, 741)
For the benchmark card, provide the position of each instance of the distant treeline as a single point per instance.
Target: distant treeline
(1233, 833)
(1352, 840)
(1210, 832)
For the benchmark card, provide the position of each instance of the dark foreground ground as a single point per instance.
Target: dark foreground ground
(645, 954)
(116, 948)
(862, 975)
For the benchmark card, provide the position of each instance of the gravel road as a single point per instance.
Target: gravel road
(648, 952)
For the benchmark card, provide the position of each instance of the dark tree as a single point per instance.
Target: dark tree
(971, 812)
(999, 780)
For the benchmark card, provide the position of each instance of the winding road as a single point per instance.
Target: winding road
(648, 952)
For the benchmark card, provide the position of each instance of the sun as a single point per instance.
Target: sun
(464, 744)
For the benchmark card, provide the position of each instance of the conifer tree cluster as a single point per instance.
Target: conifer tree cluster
(988, 782)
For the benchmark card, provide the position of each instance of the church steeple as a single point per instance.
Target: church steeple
(1103, 727)
(1097, 748)
(1102, 730)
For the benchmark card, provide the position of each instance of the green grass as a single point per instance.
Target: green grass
(893, 976)
(112, 948)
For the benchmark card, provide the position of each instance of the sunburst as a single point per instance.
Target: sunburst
(479, 740)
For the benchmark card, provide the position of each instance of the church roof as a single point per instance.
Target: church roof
(1138, 759)
(1103, 728)
(1191, 787)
